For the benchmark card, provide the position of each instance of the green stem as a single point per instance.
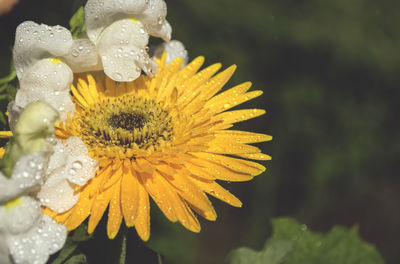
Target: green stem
(122, 257)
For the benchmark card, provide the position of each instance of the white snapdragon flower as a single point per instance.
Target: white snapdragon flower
(45, 58)
(26, 234)
(121, 29)
(174, 49)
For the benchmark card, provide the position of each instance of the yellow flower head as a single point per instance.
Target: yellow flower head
(165, 136)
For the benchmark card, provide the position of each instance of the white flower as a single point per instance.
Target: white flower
(121, 29)
(27, 176)
(44, 59)
(174, 49)
(69, 166)
(27, 234)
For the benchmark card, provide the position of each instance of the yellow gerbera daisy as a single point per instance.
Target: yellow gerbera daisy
(165, 136)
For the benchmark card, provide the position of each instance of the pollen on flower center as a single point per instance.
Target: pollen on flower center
(123, 125)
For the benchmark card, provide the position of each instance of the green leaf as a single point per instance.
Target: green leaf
(77, 259)
(79, 235)
(66, 251)
(340, 245)
(275, 250)
(3, 120)
(293, 243)
(77, 23)
(9, 78)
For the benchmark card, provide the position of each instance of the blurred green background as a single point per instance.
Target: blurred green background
(329, 72)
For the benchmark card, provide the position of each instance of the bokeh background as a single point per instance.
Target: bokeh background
(329, 72)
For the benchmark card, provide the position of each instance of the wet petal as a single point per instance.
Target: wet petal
(163, 30)
(80, 167)
(57, 193)
(83, 56)
(27, 174)
(35, 246)
(34, 42)
(174, 49)
(101, 13)
(48, 80)
(122, 49)
(20, 215)
(154, 14)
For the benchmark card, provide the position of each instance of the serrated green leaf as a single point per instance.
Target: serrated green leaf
(275, 250)
(340, 245)
(77, 23)
(293, 243)
(77, 259)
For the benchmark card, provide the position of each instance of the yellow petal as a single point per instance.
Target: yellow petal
(238, 165)
(115, 211)
(129, 198)
(214, 189)
(142, 223)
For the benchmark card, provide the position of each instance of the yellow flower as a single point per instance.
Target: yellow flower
(165, 136)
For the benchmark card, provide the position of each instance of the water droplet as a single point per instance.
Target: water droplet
(75, 53)
(117, 76)
(77, 165)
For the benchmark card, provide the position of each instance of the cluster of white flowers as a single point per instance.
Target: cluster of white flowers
(46, 171)
(26, 234)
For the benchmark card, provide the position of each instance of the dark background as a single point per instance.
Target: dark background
(329, 72)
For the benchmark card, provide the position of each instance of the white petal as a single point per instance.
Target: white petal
(174, 49)
(34, 42)
(57, 193)
(8, 189)
(20, 215)
(27, 175)
(83, 56)
(58, 158)
(35, 246)
(47, 74)
(13, 114)
(162, 30)
(52, 234)
(155, 13)
(50, 81)
(76, 146)
(101, 13)
(81, 169)
(79, 166)
(28, 172)
(4, 255)
(122, 49)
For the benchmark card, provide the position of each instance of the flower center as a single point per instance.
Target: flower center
(125, 124)
(128, 121)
